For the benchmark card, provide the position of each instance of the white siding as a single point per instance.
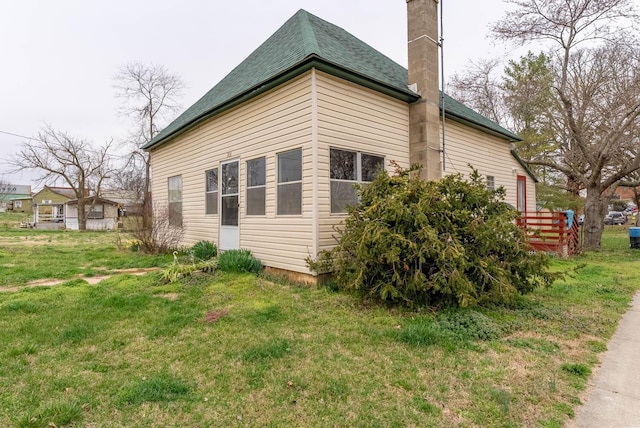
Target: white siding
(355, 118)
(109, 222)
(490, 155)
(277, 121)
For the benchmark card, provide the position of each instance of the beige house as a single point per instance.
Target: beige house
(266, 160)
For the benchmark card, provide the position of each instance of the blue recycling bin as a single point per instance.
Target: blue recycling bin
(634, 237)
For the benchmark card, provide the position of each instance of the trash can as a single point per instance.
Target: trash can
(634, 237)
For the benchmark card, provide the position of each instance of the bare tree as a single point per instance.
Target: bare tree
(162, 237)
(479, 88)
(598, 88)
(57, 155)
(150, 97)
(6, 189)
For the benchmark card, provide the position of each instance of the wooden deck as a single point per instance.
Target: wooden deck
(549, 232)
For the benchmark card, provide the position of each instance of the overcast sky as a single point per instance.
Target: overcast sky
(59, 57)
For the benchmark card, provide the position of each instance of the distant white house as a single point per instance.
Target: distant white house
(102, 214)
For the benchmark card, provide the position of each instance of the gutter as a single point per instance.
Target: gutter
(524, 165)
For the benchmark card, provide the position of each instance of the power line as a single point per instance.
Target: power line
(16, 135)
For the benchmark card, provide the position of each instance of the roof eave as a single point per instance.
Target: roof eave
(311, 61)
(524, 165)
(512, 138)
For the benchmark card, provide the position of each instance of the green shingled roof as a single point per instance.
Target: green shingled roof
(460, 111)
(303, 42)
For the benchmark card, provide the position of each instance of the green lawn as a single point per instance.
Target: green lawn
(236, 350)
(27, 255)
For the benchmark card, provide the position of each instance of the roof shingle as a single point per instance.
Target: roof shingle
(303, 38)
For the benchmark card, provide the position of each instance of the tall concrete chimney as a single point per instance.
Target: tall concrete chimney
(424, 114)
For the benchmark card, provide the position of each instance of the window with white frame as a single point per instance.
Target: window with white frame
(175, 200)
(289, 197)
(491, 183)
(17, 204)
(346, 169)
(211, 191)
(256, 186)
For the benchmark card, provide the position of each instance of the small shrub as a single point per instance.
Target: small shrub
(208, 266)
(177, 270)
(156, 235)
(204, 250)
(133, 245)
(239, 261)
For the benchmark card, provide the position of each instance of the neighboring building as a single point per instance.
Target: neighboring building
(57, 207)
(48, 205)
(130, 202)
(267, 159)
(102, 214)
(625, 193)
(21, 204)
(11, 192)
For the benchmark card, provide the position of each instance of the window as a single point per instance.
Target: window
(491, 183)
(96, 212)
(522, 194)
(346, 169)
(290, 183)
(17, 204)
(175, 200)
(256, 186)
(211, 195)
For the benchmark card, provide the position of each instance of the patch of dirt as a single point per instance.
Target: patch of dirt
(22, 242)
(92, 280)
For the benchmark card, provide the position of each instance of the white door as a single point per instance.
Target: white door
(230, 205)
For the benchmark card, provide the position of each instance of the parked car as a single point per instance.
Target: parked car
(615, 217)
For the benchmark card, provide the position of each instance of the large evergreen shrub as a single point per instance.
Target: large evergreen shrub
(426, 243)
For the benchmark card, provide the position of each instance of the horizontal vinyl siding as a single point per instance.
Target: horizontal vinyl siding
(275, 122)
(489, 155)
(354, 118)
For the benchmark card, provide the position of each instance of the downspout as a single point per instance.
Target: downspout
(444, 164)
